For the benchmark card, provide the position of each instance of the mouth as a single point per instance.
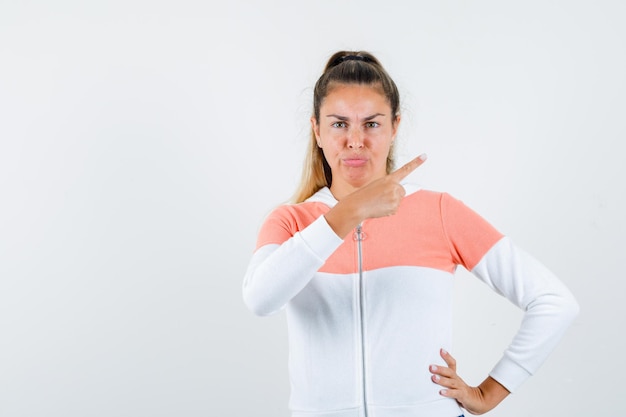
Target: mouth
(354, 162)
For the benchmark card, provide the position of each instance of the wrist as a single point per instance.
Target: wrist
(492, 392)
(344, 217)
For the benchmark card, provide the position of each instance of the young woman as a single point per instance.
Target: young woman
(363, 263)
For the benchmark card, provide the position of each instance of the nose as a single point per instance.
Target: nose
(355, 139)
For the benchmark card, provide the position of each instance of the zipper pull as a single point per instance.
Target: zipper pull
(358, 234)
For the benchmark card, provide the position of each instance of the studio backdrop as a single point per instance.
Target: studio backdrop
(142, 143)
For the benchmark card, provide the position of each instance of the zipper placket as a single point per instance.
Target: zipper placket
(359, 239)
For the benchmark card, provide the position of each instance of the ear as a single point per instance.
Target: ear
(316, 131)
(396, 124)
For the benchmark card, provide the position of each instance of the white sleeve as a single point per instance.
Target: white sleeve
(277, 273)
(549, 308)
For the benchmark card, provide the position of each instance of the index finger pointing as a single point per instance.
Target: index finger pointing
(400, 173)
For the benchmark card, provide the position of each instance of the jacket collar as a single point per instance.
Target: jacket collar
(324, 195)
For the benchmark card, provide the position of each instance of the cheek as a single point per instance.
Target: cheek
(331, 140)
(382, 140)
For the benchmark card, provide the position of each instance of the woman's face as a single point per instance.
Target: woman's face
(355, 131)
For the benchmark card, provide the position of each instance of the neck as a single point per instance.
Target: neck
(340, 191)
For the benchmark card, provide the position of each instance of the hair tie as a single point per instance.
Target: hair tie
(344, 58)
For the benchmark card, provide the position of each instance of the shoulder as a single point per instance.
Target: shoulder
(316, 205)
(298, 211)
(419, 194)
(286, 220)
(448, 209)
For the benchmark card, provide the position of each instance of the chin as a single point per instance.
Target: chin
(359, 182)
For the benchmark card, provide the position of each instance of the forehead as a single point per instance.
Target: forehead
(355, 97)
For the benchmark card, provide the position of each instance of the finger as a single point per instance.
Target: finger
(450, 361)
(442, 371)
(452, 393)
(451, 383)
(400, 173)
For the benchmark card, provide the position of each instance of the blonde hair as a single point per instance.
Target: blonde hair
(343, 67)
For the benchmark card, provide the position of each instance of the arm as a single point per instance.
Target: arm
(549, 307)
(278, 272)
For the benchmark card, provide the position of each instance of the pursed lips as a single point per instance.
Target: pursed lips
(354, 161)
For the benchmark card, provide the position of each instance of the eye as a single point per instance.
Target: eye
(339, 124)
(372, 124)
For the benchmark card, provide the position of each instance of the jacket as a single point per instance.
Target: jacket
(367, 314)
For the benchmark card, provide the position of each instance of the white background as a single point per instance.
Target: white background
(143, 142)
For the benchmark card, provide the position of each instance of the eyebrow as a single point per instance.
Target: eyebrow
(344, 118)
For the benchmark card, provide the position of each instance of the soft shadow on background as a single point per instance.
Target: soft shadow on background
(142, 143)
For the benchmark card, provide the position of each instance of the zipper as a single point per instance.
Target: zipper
(359, 236)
